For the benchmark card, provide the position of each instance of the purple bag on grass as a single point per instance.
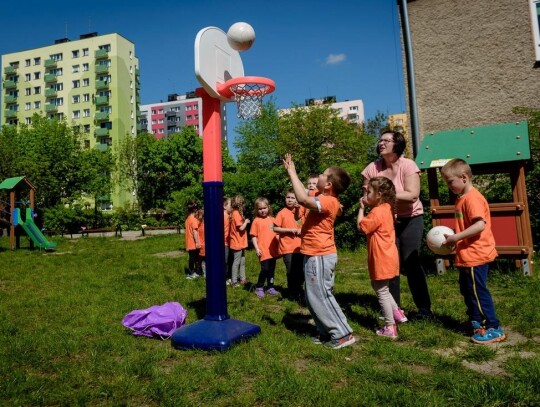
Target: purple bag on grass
(158, 321)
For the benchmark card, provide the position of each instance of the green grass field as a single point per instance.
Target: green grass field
(62, 341)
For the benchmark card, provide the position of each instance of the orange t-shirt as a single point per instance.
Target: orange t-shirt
(479, 249)
(201, 239)
(318, 228)
(383, 258)
(192, 224)
(227, 228)
(288, 242)
(267, 240)
(238, 238)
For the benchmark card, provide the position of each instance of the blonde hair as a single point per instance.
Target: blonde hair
(238, 204)
(264, 201)
(457, 167)
(386, 188)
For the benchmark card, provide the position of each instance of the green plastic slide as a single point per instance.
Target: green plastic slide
(33, 231)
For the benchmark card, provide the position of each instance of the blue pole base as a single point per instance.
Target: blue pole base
(213, 335)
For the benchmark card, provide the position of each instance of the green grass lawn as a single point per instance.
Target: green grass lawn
(62, 341)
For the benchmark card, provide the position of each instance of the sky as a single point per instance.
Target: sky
(311, 48)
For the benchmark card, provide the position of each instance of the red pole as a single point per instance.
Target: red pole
(212, 159)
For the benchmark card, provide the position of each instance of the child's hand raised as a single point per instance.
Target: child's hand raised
(288, 163)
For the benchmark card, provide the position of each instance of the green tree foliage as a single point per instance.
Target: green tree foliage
(317, 138)
(155, 168)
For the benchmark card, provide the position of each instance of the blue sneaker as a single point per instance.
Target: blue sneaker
(490, 335)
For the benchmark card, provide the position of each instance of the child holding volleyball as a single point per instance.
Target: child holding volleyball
(475, 249)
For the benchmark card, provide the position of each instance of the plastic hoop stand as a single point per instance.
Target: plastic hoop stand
(248, 92)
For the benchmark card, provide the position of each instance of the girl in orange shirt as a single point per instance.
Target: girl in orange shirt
(202, 252)
(238, 241)
(193, 245)
(383, 258)
(266, 246)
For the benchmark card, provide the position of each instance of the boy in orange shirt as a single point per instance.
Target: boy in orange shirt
(383, 257)
(193, 245)
(320, 253)
(288, 225)
(475, 249)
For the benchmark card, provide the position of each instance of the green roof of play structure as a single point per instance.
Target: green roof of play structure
(11, 183)
(476, 145)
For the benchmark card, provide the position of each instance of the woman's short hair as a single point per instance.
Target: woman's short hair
(399, 142)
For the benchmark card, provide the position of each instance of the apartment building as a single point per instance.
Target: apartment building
(165, 118)
(92, 82)
(349, 110)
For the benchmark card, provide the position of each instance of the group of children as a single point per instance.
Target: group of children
(302, 234)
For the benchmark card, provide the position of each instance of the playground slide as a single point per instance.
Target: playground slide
(32, 230)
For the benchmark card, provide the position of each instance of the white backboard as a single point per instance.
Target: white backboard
(215, 60)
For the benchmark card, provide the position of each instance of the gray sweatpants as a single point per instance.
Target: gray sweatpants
(326, 312)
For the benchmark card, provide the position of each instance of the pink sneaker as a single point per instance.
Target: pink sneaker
(389, 331)
(399, 316)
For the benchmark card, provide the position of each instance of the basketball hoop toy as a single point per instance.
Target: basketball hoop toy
(220, 71)
(248, 92)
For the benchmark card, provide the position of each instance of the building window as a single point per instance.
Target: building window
(57, 71)
(27, 62)
(85, 52)
(27, 77)
(37, 104)
(76, 84)
(86, 128)
(75, 54)
(106, 47)
(58, 87)
(37, 75)
(85, 67)
(86, 82)
(37, 90)
(28, 91)
(86, 97)
(28, 121)
(75, 68)
(76, 114)
(86, 113)
(353, 108)
(37, 61)
(57, 101)
(27, 106)
(76, 98)
(56, 57)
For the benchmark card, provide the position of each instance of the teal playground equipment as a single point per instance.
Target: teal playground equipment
(19, 191)
(32, 230)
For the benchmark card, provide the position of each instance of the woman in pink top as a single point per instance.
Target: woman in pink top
(405, 175)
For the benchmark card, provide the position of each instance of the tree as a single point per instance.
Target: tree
(50, 156)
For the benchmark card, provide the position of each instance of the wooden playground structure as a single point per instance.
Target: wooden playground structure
(497, 149)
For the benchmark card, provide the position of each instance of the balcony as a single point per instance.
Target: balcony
(101, 69)
(101, 132)
(50, 63)
(50, 93)
(10, 99)
(102, 148)
(10, 84)
(9, 70)
(101, 53)
(51, 108)
(102, 85)
(10, 114)
(101, 100)
(99, 116)
(50, 77)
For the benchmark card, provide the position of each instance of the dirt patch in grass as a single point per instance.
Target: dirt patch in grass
(503, 350)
